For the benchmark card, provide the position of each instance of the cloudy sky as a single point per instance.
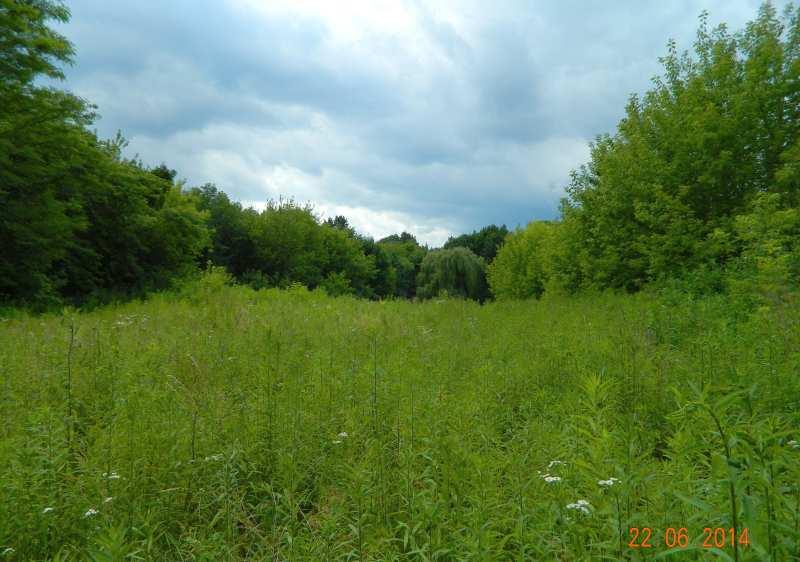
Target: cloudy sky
(435, 117)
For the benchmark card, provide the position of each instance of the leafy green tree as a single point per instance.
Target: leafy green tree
(288, 243)
(404, 257)
(76, 219)
(455, 272)
(718, 127)
(340, 222)
(484, 242)
(231, 246)
(345, 260)
(38, 129)
(768, 266)
(525, 263)
(30, 48)
(384, 282)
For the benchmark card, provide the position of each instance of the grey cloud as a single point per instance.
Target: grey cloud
(456, 126)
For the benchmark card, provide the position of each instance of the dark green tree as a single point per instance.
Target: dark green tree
(484, 242)
(39, 128)
(76, 219)
(404, 257)
(231, 246)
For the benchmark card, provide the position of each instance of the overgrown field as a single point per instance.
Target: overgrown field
(287, 425)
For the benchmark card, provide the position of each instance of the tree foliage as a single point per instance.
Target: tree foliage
(718, 129)
(484, 242)
(76, 219)
(525, 263)
(700, 181)
(403, 259)
(456, 272)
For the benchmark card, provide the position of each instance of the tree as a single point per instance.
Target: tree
(29, 47)
(484, 242)
(718, 128)
(525, 263)
(288, 244)
(231, 245)
(345, 261)
(404, 257)
(39, 129)
(403, 237)
(384, 282)
(455, 272)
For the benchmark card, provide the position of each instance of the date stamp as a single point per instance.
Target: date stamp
(679, 537)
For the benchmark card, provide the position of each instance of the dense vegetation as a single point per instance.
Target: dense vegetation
(79, 223)
(252, 408)
(701, 181)
(228, 423)
(484, 242)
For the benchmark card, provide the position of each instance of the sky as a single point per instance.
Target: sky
(435, 117)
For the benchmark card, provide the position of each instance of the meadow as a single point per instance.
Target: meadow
(224, 423)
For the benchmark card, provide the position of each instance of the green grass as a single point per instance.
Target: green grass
(212, 422)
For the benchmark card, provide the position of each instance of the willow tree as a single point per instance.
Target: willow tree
(454, 272)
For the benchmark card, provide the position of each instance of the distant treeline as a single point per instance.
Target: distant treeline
(699, 186)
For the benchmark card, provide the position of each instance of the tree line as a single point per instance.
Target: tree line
(80, 223)
(697, 186)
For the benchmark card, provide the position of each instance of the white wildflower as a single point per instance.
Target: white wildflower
(47, 510)
(91, 512)
(343, 435)
(217, 457)
(555, 463)
(111, 476)
(551, 479)
(8, 550)
(608, 483)
(109, 499)
(794, 444)
(580, 505)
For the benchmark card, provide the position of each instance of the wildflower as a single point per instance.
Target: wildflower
(111, 476)
(551, 479)
(608, 483)
(8, 550)
(217, 457)
(343, 435)
(794, 444)
(108, 500)
(91, 512)
(47, 510)
(555, 463)
(580, 505)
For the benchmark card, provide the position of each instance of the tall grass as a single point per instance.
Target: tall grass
(228, 424)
